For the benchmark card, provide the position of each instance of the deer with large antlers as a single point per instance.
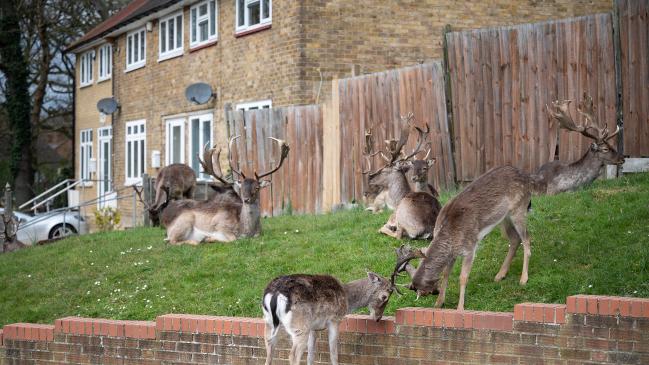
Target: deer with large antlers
(415, 211)
(303, 304)
(225, 217)
(560, 176)
(500, 196)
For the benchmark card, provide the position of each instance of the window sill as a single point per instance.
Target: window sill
(134, 67)
(198, 47)
(133, 182)
(85, 184)
(251, 30)
(104, 79)
(82, 86)
(169, 56)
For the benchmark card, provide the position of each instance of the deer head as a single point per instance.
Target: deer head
(591, 128)
(247, 188)
(419, 168)
(154, 211)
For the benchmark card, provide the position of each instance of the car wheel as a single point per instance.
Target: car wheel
(61, 230)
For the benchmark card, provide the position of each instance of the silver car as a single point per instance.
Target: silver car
(48, 226)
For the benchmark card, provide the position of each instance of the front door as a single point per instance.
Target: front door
(105, 168)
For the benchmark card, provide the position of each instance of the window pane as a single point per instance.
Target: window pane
(179, 29)
(241, 19)
(83, 160)
(203, 30)
(141, 46)
(172, 33)
(196, 145)
(265, 9)
(206, 132)
(101, 61)
(212, 18)
(136, 48)
(193, 25)
(253, 13)
(129, 50)
(175, 143)
(129, 160)
(141, 158)
(163, 37)
(202, 10)
(135, 159)
(141, 128)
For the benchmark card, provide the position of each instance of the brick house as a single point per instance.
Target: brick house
(253, 54)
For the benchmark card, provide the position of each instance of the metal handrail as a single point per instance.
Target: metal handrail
(57, 194)
(44, 193)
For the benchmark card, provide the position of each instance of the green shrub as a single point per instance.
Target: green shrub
(107, 218)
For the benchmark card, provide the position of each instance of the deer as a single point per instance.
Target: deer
(303, 304)
(227, 216)
(174, 182)
(500, 196)
(415, 211)
(560, 176)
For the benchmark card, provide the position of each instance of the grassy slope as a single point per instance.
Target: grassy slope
(595, 241)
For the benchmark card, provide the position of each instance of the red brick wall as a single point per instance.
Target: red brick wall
(588, 329)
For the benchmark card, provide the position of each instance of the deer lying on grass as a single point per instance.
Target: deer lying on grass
(502, 195)
(560, 176)
(174, 182)
(226, 216)
(304, 304)
(415, 211)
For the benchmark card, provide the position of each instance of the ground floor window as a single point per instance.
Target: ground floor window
(201, 135)
(180, 144)
(85, 154)
(135, 145)
(105, 166)
(175, 146)
(254, 105)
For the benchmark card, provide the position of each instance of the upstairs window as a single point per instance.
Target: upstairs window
(86, 68)
(171, 36)
(253, 14)
(203, 23)
(263, 104)
(105, 62)
(136, 49)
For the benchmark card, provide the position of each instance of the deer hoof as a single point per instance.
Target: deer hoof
(523, 280)
(499, 277)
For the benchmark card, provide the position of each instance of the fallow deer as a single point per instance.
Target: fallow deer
(225, 217)
(174, 182)
(502, 195)
(303, 304)
(560, 176)
(415, 211)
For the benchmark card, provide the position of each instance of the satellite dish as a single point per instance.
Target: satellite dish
(107, 106)
(199, 93)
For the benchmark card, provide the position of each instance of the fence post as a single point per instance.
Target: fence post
(8, 200)
(331, 150)
(146, 191)
(619, 112)
(449, 100)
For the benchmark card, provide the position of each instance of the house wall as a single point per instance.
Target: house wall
(380, 35)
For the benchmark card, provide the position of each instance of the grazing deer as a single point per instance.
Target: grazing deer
(502, 195)
(226, 216)
(304, 304)
(174, 182)
(415, 211)
(560, 176)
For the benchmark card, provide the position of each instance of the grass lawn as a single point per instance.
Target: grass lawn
(595, 241)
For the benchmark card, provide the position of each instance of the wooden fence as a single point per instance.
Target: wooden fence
(502, 79)
(297, 186)
(634, 47)
(377, 101)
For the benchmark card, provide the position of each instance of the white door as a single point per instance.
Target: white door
(175, 150)
(105, 168)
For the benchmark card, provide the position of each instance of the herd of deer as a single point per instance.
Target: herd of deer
(302, 303)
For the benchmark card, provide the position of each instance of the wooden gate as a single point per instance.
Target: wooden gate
(502, 79)
(297, 186)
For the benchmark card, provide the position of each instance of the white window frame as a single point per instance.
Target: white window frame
(85, 155)
(246, 26)
(105, 64)
(194, 29)
(261, 104)
(105, 141)
(86, 68)
(177, 50)
(140, 62)
(202, 118)
(171, 123)
(135, 178)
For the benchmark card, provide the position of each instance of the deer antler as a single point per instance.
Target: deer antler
(284, 148)
(234, 171)
(591, 128)
(213, 168)
(421, 137)
(368, 152)
(405, 254)
(139, 195)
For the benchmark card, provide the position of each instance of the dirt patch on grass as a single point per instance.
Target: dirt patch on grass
(604, 193)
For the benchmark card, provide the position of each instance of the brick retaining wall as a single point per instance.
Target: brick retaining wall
(587, 329)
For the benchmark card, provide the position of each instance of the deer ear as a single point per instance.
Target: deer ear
(264, 183)
(374, 278)
(431, 162)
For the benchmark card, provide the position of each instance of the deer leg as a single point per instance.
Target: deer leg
(270, 343)
(333, 342)
(443, 284)
(311, 349)
(520, 223)
(514, 241)
(299, 344)
(467, 262)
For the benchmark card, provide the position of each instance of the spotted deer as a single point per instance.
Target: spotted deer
(226, 216)
(303, 304)
(560, 176)
(416, 211)
(174, 182)
(500, 196)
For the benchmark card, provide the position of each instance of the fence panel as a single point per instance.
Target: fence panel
(634, 46)
(502, 79)
(377, 101)
(297, 186)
